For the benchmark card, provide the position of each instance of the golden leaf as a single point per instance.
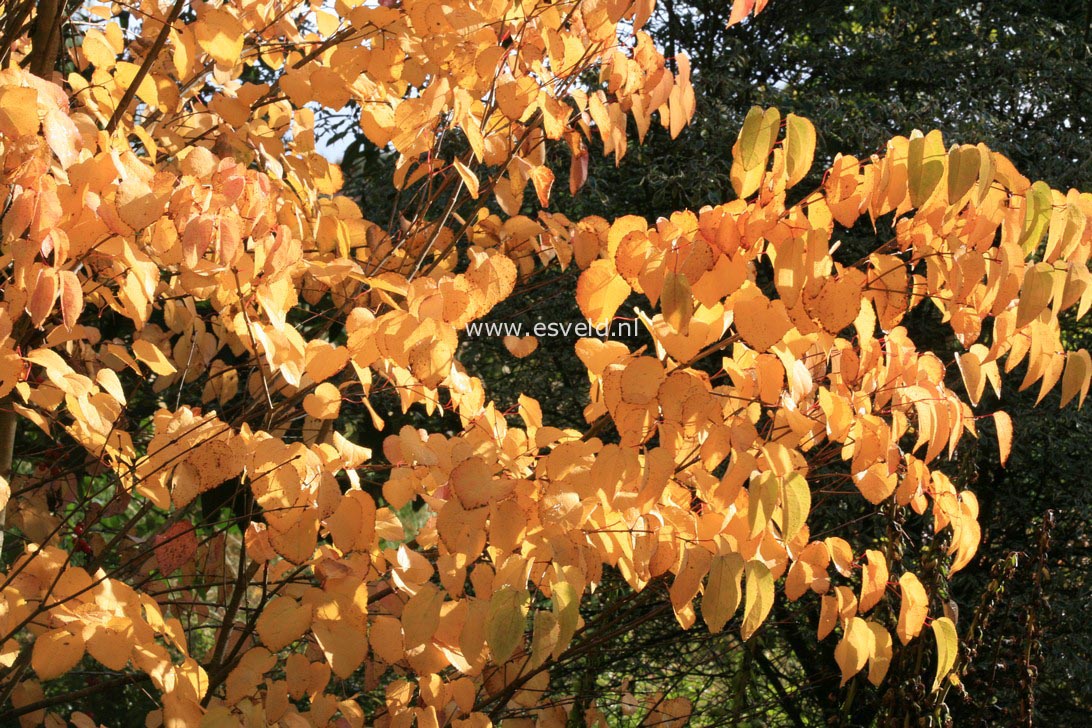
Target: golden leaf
(505, 625)
(947, 648)
(282, 622)
(759, 595)
(853, 650)
(722, 591)
(220, 34)
(55, 653)
(873, 580)
(913, 609)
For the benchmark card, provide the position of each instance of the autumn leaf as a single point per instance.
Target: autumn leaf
(175, 547)
(947, 648)
(759, 590)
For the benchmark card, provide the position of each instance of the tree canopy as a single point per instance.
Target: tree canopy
(254, 463)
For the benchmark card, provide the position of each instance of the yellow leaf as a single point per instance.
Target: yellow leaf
(97, 50)
(153, 357)
(839, 301)
(514, 98)
(55, 653)
(841, 553)
(795, 505)
(43, 296)
(124, 75)
(986, 170)
(220, 34)
(745, 182)
(1038, 205)
(352, 525)
(421, 615)
(760, 322)
(566, 601)
(543, 179)
(970, 368)
(799, 148)
(71, 298)
(757, 137)
(722, 591)
(914, 607)
(854, 648)
(695, 565)
(763, 492)
(469, 178)
(963, 169)
(344, 645)
(947, 648)
(925, 166)
(758, 599)
(504, 629)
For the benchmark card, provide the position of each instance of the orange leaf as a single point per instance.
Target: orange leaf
(873, 580)
(71, 298)
(55, 653)
(760, 322)
(175, 547)
(913, 609)
(18, 111)
(854, 648)
(324, 403)
(520, 347)
(282, 622)
(600, 291)
(1004, 434)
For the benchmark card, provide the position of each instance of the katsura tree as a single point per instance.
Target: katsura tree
(196, 328)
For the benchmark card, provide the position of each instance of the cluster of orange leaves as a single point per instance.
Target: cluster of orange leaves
(162, 189)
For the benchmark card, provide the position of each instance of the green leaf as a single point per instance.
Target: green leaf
(799, 148)
(763, 499)
(504, 629)
(757, 137)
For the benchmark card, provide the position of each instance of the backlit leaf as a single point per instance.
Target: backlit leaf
(505, 626)
(854, 649)
(913, 609)
(795, 504)
(947, 648)
(759, 595)
(55, 653)
(722, 591)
